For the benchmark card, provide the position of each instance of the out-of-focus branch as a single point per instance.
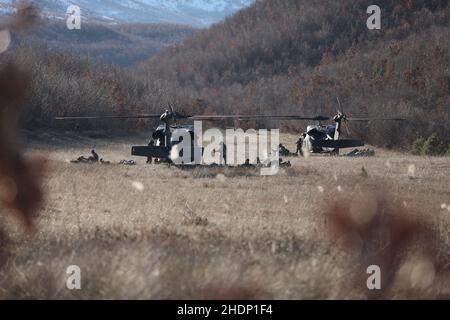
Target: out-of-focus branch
(20, 185)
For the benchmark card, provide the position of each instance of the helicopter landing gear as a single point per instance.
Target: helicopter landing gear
(150, 159)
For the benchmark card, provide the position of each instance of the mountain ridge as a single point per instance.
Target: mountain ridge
(198, 13)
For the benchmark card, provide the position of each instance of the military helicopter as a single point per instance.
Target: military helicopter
(317, 138)
(326, 138)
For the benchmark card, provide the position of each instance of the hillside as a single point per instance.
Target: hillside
(296, 56)
(107, 43)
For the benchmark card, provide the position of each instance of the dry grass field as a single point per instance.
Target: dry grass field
(221, 233)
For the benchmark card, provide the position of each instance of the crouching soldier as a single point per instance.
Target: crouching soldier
(283, 151)
(282, 164)
(94, 157)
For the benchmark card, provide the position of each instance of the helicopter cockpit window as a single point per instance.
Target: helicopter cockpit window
(158, 135)
(317, 135)
(331, 130)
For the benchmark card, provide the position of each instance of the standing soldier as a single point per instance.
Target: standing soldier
(223, 153)
(300, 145)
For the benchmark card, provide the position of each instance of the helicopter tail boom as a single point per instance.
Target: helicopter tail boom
(337, 144)
(151, 152)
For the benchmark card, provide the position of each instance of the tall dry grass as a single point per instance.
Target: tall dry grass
(199, 234)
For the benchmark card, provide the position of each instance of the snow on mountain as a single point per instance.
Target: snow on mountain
(198, 13)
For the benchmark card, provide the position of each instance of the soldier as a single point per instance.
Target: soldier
(81, 159)
(223, 153)
(94, 157)
(246, 164)
(284, 164)
(299, 150)
(283, 151)
(104, 162)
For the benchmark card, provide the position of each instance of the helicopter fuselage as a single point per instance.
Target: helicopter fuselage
(316, 133)
(162, 141)
(325, 139)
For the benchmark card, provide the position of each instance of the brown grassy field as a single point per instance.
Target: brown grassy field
(215, 233)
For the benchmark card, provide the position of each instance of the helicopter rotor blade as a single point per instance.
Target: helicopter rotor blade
(347, 128)
(256, 117)
(177, 115)
(201, 117)
(339, 104)
(143, 116)
(375, 119)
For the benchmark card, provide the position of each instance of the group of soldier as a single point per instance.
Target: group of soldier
(283, 151)
(94, 158)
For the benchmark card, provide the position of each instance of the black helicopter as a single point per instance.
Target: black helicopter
(326, 138)
(317, 138)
